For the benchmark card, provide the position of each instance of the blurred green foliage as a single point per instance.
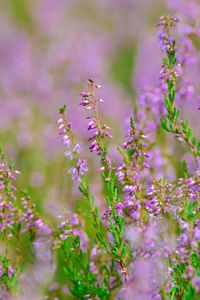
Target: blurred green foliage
(122, 66)
(20, 12)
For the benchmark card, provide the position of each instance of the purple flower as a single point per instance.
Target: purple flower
(196, 283)
(59, 121)
(109, 136)
(66, 140)
(82, 165)
(69, 154)
(197, 233)
(119, 209)
(74, 220)
(129, 188)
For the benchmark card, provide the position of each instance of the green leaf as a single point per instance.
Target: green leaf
(164, 124)
(171, 126)
(132, 123)
(177, 115)
(189, 133)
(101, 225)
(198, 148)
(78, 240)
(92, 201)
(165, 62)
(173, 96)
(63, 109)
(96, 213)
(11, 163)
(185, 169)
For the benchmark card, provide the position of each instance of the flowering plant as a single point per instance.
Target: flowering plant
(142, 241)
(136, 204)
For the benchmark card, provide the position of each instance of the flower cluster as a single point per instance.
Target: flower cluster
(90, 102)
(7, 196)
(165, 39)
(7, 275)
(31, 219)
(73, 148)
(129, 172)
(72, 228)
(157, 198)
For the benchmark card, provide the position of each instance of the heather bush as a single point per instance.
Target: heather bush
(137, 237)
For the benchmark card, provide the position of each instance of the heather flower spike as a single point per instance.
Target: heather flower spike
(73, 148)
(169, 75)
(99, 131)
